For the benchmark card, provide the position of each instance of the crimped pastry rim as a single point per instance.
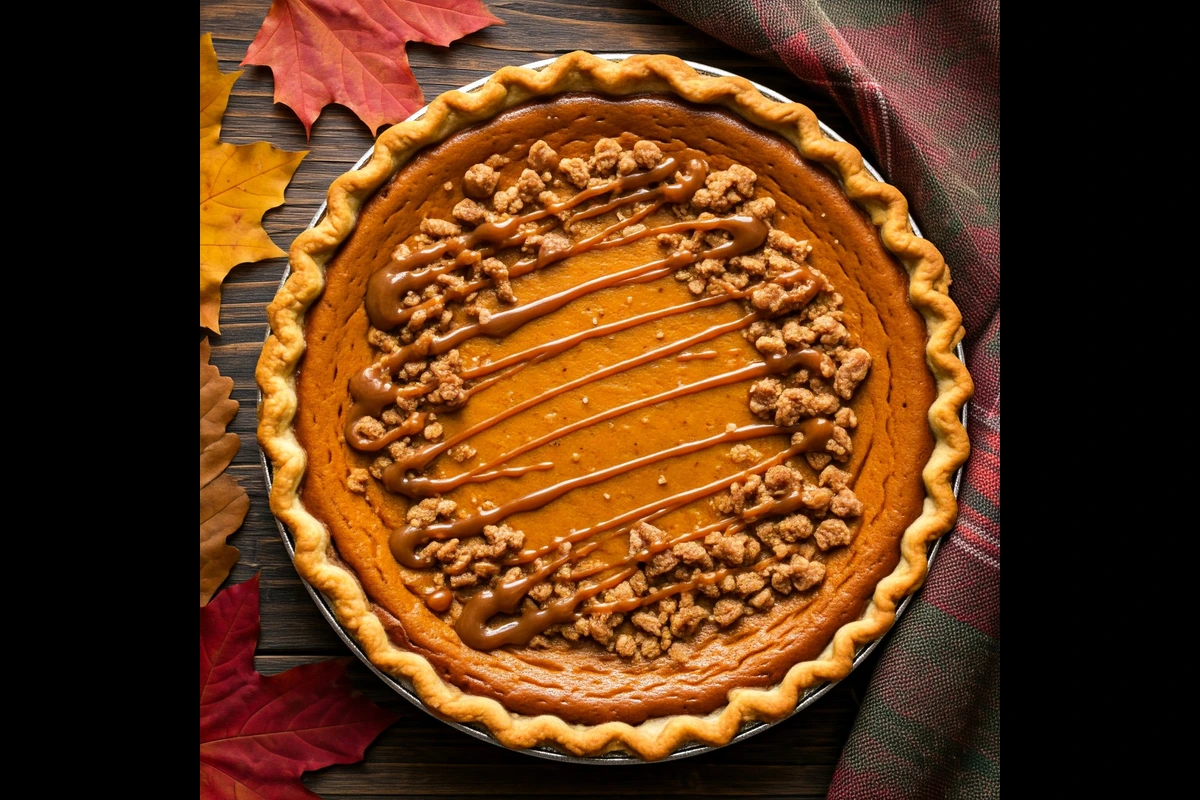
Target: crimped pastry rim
(452, 111)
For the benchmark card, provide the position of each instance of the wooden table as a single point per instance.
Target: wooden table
(420, 756)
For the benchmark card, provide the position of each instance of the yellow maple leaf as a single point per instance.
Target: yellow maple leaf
(238, 184)
(214, 92)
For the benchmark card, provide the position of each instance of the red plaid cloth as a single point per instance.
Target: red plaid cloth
(921, 83)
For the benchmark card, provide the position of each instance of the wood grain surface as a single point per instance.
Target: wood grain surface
(421, 756)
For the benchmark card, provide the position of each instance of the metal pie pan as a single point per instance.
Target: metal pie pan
(404, 688)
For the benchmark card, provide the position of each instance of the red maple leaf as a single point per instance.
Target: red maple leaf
(259, 733)
(352, 52)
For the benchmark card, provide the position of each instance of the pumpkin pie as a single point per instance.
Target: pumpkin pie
(613, 405)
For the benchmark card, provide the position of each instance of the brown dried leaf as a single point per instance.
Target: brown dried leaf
(223, 503)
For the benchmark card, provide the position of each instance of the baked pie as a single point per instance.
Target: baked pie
(613, 405)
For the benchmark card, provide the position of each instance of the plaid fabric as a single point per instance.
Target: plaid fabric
(921, 82)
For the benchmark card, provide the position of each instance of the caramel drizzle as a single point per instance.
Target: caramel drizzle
(815, 434)
(373, 389)
(388, 286)
(565, 343)
(704, 355)
(472, 625)
(396, 476)
(421, 457)
(407, 539)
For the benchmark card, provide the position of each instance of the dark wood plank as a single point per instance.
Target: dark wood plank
(421, 756)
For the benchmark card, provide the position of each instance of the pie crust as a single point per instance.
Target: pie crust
(597, 729)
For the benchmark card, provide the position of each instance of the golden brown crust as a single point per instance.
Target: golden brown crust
(453, 111)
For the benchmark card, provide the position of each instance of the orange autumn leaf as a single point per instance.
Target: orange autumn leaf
(352, 52)
(223, 503)
(238, 184)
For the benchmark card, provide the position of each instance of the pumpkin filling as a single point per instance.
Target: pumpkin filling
(623, 408)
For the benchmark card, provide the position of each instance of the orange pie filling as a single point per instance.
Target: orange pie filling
(613, 407)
